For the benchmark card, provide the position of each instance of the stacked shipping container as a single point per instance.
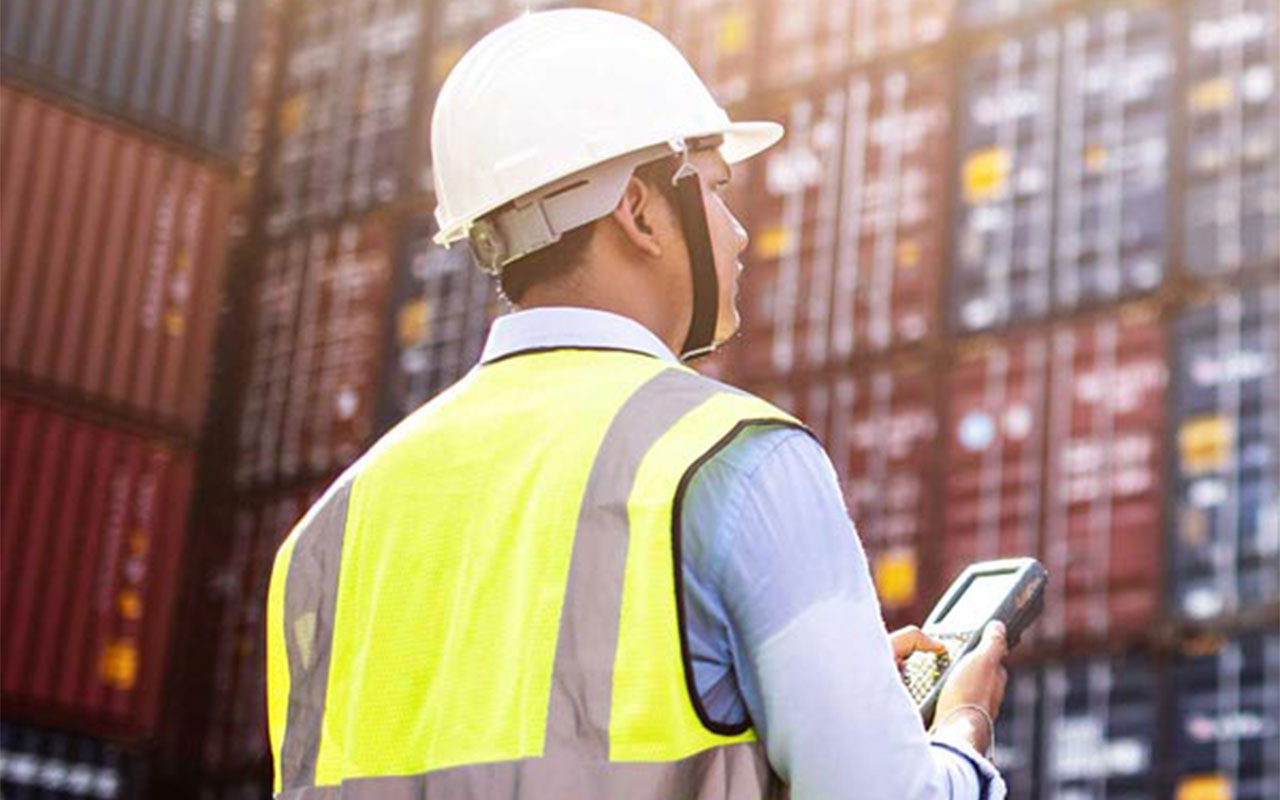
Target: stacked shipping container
(113, 251)
(120, 123)
(1225, 526)
(179, 69)
(849, 241)
(314, 350)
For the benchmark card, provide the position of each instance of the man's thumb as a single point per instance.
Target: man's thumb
(994, 638)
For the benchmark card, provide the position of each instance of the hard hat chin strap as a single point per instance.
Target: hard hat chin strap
(700, 340)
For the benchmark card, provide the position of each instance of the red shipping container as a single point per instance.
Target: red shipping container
(995, 444)
(93, 530)
(1102, 530)
(113, 259)
(848, 229)
(315, 352)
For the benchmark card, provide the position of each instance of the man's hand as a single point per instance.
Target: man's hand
(977, 680)
(908, 640)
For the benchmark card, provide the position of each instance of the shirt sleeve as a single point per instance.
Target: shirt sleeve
(774, 559)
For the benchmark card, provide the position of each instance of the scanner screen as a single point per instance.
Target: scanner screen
(979, 601)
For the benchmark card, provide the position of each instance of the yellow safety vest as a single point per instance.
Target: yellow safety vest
(488, 604)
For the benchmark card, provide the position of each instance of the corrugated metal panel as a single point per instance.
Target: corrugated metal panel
(718, 37)
(94, 523)
(1226, 526)
(809, 40)
(1228, 719)
(1004, 244)
(1232, 216)
(995, 448)
(848, 230)
(1064, 167)
(180, 68)
(440, 316)
(342, 124)
(1100, 728)
(39, 763)
(318, 308)
(1113, 155)
(113, 272)
(1104, 488)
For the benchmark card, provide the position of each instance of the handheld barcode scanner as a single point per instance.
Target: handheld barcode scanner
(1010, 590)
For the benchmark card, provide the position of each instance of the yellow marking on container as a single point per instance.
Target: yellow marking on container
(986, 175)
(1206, 444)
(732, 33)
(895, 573)
(1211, 95)
(1205, 787)
(772, 242)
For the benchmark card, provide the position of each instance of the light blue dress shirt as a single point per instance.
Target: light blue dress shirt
(783, 622)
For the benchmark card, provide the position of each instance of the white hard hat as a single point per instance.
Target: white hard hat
(546, 118)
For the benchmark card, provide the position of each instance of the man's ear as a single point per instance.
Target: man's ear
(634, 215)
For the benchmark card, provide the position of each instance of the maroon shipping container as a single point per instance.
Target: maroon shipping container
(93, 531)
(880, 429)
(848, 231)
(995, 447)
(113, 259)
(318, 317)
(812, 39)
(1102, 527)
(235, 733)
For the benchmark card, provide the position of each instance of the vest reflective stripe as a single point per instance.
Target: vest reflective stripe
(731, 771)
(595, 712)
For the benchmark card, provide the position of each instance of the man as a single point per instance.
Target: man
(584, 570)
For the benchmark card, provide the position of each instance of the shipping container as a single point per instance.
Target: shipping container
(1100, 728)
(94, 521)
(814, 39)
(180, 69)
(1003, 250)
(995, 449)
(314, 352)
(40, 764)
(342, 125)
(441, 309)
(1113, 155)
(1225, 527)
(113, 260)
(1232, 215)
(848, 229)
(1228, 719)
(1064, 167)
(1103, 482)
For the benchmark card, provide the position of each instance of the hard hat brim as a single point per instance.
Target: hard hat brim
(742, 140)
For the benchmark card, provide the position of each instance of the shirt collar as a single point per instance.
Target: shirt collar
(565, 326)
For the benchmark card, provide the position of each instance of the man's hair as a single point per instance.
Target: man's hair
(558, 261)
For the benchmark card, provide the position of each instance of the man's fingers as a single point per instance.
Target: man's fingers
(916, 639)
